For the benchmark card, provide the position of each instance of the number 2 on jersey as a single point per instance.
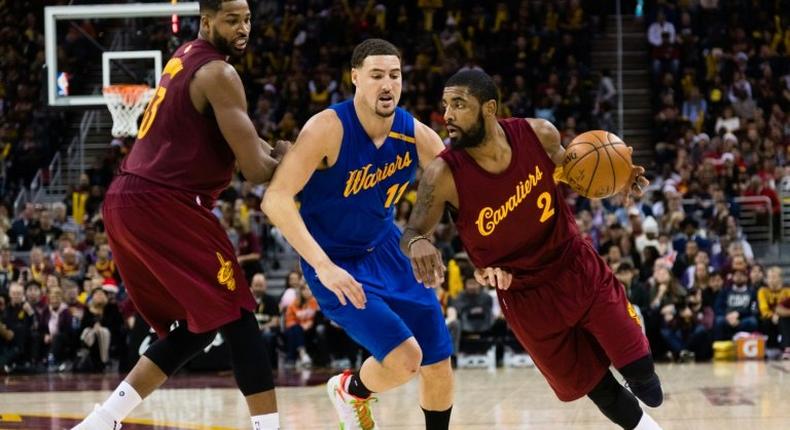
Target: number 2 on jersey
(544, 202)
(394, 193)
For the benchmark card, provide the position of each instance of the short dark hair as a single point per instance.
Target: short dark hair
(211, 6)
(479, 83)
(624, 267)
(372, 47)
(689, 222)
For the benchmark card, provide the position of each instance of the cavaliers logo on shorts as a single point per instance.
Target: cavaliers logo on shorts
(225, 274)
(632, 314)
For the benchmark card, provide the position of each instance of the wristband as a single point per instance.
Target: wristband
(415, 239)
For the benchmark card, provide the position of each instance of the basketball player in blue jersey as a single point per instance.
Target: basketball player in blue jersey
(348, 168)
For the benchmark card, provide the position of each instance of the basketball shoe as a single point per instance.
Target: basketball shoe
(354, 413)
(98, 420)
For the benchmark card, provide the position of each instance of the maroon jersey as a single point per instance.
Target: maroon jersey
(177, 146)
(517, 219)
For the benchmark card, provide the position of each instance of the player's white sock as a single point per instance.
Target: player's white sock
(647, 423)
(266, 422)
(122, 401)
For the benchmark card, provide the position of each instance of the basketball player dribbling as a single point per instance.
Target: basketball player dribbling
(559, 297)
(349, 167)
(174, 256)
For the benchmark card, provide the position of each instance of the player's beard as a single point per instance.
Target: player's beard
(225, 47)
(470, 138)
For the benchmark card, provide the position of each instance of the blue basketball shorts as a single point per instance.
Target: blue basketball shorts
(398, 307)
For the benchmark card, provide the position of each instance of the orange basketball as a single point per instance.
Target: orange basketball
(597, 164)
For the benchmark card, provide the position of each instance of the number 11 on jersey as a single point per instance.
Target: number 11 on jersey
(394, 193)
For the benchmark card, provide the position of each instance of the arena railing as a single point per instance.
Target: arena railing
(52, 181)
(21, 200)
(784, 213)
(754, 217)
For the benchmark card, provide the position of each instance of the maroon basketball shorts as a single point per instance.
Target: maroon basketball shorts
(575, 323)
(174, 256)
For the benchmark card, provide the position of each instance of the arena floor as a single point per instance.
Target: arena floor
(720, 396)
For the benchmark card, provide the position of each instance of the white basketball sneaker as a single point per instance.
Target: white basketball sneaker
(98, 420)
(354, 413)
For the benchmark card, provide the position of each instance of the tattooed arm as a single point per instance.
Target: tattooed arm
(436, 189)
(429, 144)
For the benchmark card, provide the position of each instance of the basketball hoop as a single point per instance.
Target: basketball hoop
(126, 102)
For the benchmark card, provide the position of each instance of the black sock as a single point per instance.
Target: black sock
(356, 388)
(437, 420)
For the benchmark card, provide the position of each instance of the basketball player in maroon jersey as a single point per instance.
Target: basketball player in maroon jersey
(561, 300)
(175, 258)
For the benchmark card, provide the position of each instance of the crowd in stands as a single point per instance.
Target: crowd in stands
(30, 134)
(689, 271)
(721, 81)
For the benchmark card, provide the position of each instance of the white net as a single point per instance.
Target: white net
(126, 103)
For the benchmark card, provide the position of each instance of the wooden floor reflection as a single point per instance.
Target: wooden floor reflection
(719, 396)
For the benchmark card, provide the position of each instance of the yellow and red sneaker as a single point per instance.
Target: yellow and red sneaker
(354, 413)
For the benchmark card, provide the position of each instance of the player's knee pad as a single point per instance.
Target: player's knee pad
(248, 355)
(605, 392)
(617, 403)
(639, 370)
(180, 345)
(643, 381)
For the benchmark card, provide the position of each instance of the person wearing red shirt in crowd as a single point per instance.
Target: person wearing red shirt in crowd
(757, 188)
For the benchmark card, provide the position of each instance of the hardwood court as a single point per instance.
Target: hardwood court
(719, 396)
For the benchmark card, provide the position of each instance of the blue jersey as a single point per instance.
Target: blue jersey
(349, 207)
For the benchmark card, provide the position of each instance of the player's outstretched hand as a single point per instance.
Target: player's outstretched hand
(340, 282)
(636, 183)
(281, 147)
(426, 261)
(494, 277)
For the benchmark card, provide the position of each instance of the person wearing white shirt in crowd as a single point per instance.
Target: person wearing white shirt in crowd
(657, 28)
(728, 121)
(649, 236)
